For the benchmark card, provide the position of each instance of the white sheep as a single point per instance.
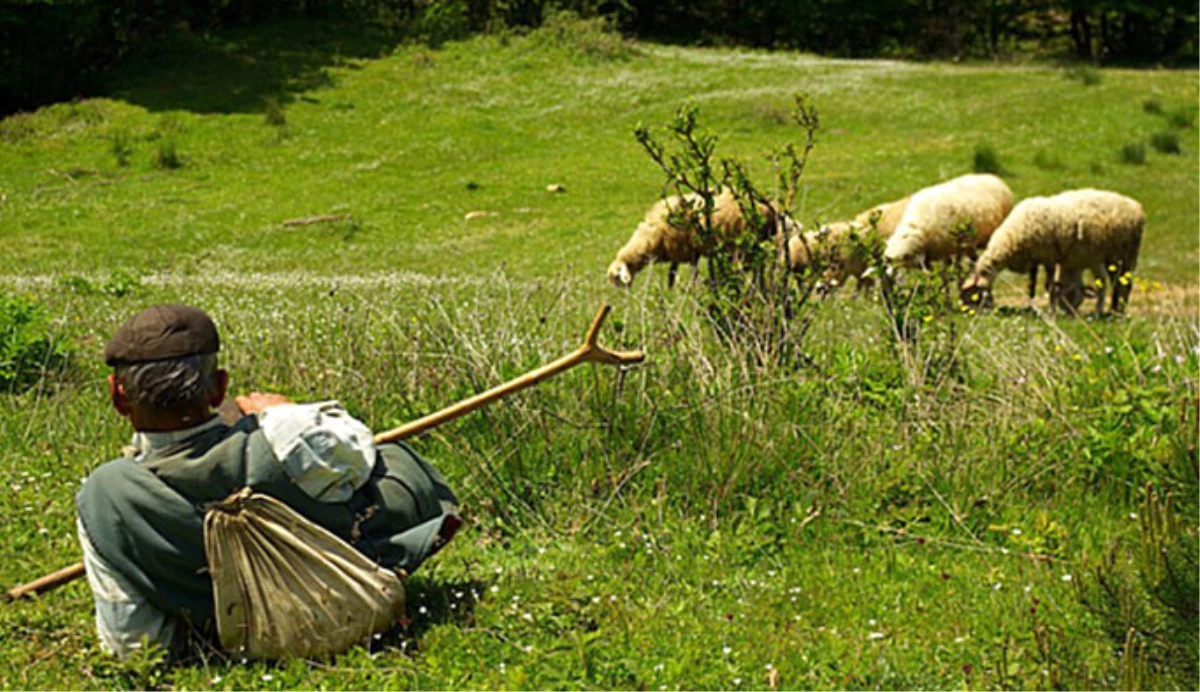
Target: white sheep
(840, 245)
(657, 239)
(926, 231)
(1096, 230)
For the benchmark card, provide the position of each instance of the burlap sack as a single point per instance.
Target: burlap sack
(285, 587)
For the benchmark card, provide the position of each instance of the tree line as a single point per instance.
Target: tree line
(53, 49)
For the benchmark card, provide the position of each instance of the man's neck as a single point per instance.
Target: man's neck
(168, 421)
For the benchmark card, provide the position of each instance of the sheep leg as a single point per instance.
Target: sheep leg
(1120, 291)
(1103, 279)
(671, 273)
(1033, 272)
(1056, 287)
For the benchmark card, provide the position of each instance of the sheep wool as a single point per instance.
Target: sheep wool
(656, 239)
(925, 232)
(1096, 230)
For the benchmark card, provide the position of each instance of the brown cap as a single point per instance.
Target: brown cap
(160, 332)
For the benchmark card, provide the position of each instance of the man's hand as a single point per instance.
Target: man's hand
(257, 402)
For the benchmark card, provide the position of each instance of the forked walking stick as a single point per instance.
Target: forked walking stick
(588, 352)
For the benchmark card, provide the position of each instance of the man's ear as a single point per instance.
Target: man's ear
(220, 388)
(116, 394)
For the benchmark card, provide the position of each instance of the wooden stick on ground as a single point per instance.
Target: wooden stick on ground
(588, 352)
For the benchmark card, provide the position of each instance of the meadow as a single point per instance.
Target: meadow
(872, 513)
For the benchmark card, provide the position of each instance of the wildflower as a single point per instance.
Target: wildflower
(1066, 577)
(215, 681)
(997, 586)
(423, 610)
(1016, 532)
(967, 668)
(737, 681)
(495, 588)
(527, 616)
(875, 635)
(659, 667)
(726, 650)
(928, 318)
(1133, 515)
(1179, 359)
(267, 677)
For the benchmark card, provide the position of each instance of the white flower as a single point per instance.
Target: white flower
(875, 635)
(495, 588)
(997, 586)
(1016, 532)
(1066, 577)
(422, 610)
(1133, 515)
(659, 666)
(527, 616)
(959, 640)
(267, 677)
(737, 681)
(215, 681)
(726, 650)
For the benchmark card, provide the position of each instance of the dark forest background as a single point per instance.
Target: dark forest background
(58, 49)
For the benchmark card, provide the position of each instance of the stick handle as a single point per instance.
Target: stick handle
(588, 352)
(46, 583)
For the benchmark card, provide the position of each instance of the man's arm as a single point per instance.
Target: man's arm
(324, 450)
(125, 620)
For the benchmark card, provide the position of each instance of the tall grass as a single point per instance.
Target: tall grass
(1036, 445)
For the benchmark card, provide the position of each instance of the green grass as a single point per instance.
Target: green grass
(857, 518)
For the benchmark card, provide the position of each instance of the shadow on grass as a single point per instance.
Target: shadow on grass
(235, 71)
(429, 603)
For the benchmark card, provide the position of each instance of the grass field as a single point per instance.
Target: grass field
(862, 518)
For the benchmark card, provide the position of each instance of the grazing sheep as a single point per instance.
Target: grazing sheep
(1089, 229)
(658, 240)
(838, 244)
(925, 232)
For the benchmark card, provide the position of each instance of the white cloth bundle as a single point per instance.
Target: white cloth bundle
(284, 587)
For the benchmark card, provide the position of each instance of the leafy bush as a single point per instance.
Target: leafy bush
(1133, 153)
(986, 160)
(28, 352)
(1166, 142)
(273, 112)
(592, 38)
(121, 147)
(166, 155)
(1183, 118)
(750, 288)
(1047, 161)
(1084, 74)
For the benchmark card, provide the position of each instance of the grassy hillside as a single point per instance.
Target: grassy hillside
(409, 143)
(861, 513)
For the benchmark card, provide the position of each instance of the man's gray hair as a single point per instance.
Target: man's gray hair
(174, 384)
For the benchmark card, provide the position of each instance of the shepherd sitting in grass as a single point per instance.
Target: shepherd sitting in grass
(281, 530)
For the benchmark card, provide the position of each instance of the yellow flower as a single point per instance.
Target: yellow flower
(1077, 357)
(975, 297)
(971, 312)
(1099, 283)
(1112, 267)
(929, 318)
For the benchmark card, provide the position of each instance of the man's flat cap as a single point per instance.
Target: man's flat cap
(160, 332)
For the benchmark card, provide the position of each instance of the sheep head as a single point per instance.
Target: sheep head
(619, 274)
(976, 290)
(904, 248)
